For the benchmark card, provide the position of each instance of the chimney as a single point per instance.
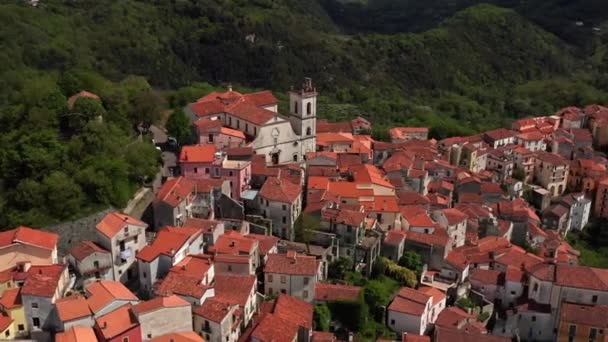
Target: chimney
(229, 86)
(105, 325)
(172, 251)
(232, 243)
(126, 218)
(292, 255)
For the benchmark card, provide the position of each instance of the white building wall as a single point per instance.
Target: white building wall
(402, 322)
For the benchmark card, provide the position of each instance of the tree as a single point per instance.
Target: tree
(84, 111)
(64, 197)
(305, 227)
(377, 294)
(148, 107)
(412, 261)
(143, 161)
(321, 318)
(337, 269)
(519, 174)
(179, 126)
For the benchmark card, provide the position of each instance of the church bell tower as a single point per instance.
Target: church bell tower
(303, 116)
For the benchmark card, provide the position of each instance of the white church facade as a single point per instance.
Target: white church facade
(282, 139)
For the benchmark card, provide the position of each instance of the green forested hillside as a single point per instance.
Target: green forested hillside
(469, 69)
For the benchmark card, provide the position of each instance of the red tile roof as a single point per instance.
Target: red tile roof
(198, 154)
(582, 277)
(318, 183)
(233, 243)
(103, 292)
(159, 303)
(402, 132)
(247, 107)
(367, 173)
(416, 216)
(72, 307)
(486, 277)
(395, 237)
(410, 301)
(325, 139)
(176, 283)
(116, 322)
(234, 289)
(435, 239)
(590, 315)
(412, 198)
(42, 281)
(83, 93)
(275, 189)
(168, 241)
(266, 242)
(29, 236)
(86, 248)
(334, 292)
(175, 190)
(296, 265)
(437, 295)
(195, 266)
(212, 310)
(443, 334)
(11, 299)
(294, 310)
(407, 337)
(114, 222)
(186, 336)
(500, 134)
(76, 334)
(332, 127)
(322, 336)
(273, 328)
(453, 316)
(343, 216)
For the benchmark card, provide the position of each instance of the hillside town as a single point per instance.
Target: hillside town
(274, 225)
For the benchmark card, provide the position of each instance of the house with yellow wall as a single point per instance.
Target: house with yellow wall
(12, 308)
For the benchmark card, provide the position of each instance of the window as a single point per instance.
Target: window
(295, 107)
(305, 294)
(229, 121)
(7, 333)
(126, 229)
(306, 280)
(308, 131)
(125, 339)
(149, 335)
(196, 170)
(255, 131)
(283, 279)
(572, 330)
(210, 138)
(533, 318)
(284, 219)
(36, 322)
(295, 157)
(283, 291)
(392, 322)
(284, 207)
(229, 268)
(96, 264)
(594, 299)
(21, 327)
(592, 334)
(270, 278)
(246, 127)
(207, 170)
(238, 123)
(34, 305)
(535, 287)
(230, 173)
(145, 275)
(206, 327)
(135, 240)
(309, 108)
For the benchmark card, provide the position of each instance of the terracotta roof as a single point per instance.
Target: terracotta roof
(198, 154)
(247, 107)
(207, 226)
(452, 316)
(86, 248)
(414, 305)
(159, 303)
(83, 93)
(42, 281)
(11, 298)
(103, 292)
(551, 158)
(443, 334)
(195, 266)
(401, 132)
(168, 241)
(273, 328)
(318, 183)
(76, 334)
(367, 173)
(175, 190)
(486, 277)
(296, 265)
(322, 336)
(381, 203)
(186, 336)
(499, 134)
(343, 216)
(233, 243)
(330, 138)
(72, 307)
(29, 236)
(266, 242)
(434, 239)
(234, 289)
(212, 310)
(275, 189)
(334, 292)
(395, 237)
(416, 216)
(116, 322)
(582, 277)
(590, 315)
(114, 222)
(332, 127)
(531, 136)
(176, 283)
(437, 295)
(5, 321)
(294, 310)
(412, 198)
(407, 337)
